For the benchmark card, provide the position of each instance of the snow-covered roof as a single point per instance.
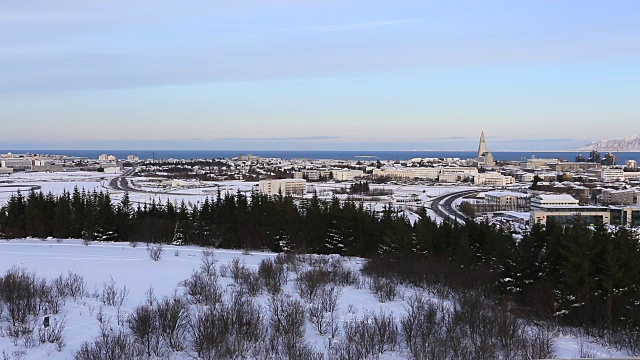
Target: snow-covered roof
(506, 193)
(556, 197)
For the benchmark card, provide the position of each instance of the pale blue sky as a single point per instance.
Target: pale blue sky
(314, 74)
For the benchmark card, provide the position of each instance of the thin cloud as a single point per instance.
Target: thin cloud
(302, 138)
(37, 17)
(348, 27)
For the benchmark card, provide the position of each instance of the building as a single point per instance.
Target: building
(484, 158)
(283, 186)
(103, 157)
(573, 166)
(394, 173)
(493, 179)
(430, 173)
(17, 163)
(133, 158)
(610, 174)
(565, 215)
(316, 175)
(506, 201)
(553, 200)
(347, 175)
(632, 164)
(537, 163)
(618, 197)
(625, 216)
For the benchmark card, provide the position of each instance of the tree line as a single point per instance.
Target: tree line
(580, 275)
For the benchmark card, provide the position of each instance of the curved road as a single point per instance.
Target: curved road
(443, 205)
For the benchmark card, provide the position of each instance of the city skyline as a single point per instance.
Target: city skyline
(316, 75)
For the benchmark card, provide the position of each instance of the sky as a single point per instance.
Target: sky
(317, 74)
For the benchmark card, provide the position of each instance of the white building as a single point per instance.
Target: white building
(505, 200)
(430, 173)
(553, 201)
(283, 186)
(493, 179)
(133, 158)
(111, 158)
(316, 175)
(611, 174)
(347, 175)
(17, 163)
(103, 157)
(395, 173)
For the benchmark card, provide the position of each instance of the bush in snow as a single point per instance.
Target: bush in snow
(112, 296)
(155, 251)
(110, 344)
(273, 275)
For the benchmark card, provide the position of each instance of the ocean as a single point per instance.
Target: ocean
(342, 155)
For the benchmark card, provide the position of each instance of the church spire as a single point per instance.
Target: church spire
(482, 148)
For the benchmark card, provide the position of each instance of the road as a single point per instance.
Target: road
(443, 205)
(121, 183)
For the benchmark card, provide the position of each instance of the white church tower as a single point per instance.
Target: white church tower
(485, 158)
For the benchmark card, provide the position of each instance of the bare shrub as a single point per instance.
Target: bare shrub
(323, 307)
(75, 285)
(173, 319)
(386, 331)
(19, 293)
(208, 261)
(385, 289)
(309, 283)
(273, 275)
(250, 283)
(230, 330)
(202, 289)
(341, 275)
(111, 295)
(155, 251)
(539, 343)
(422, 329)
(236, 269)
(144, 328)
(359, 340)
(54, 333)
(289, 261)
(286, 321)
(22, 331)
(110, 344)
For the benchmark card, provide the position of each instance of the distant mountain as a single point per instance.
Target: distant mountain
(631, 143)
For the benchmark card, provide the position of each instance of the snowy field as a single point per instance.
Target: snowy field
(131, 267)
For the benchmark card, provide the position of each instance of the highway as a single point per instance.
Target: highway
(121, 183)
(443, 205)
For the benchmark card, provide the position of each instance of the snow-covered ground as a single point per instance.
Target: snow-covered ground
(130, 266)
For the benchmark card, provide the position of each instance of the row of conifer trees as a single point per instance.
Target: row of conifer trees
(583, 275)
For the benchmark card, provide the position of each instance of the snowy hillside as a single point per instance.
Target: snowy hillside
(631, 143)
(116, 284)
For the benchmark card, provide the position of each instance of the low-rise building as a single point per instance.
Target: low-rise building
(506, 200)
(283, 186)
(543, 201)
(566, 215)
(618, 197)
(133, 158)
(315, 175)
(611, 174)
(17, 163)
(493, 179)
(347, 175)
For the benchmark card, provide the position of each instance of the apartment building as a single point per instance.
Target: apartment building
(283, 186)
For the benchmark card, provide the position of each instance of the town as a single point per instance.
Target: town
(511, 193)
